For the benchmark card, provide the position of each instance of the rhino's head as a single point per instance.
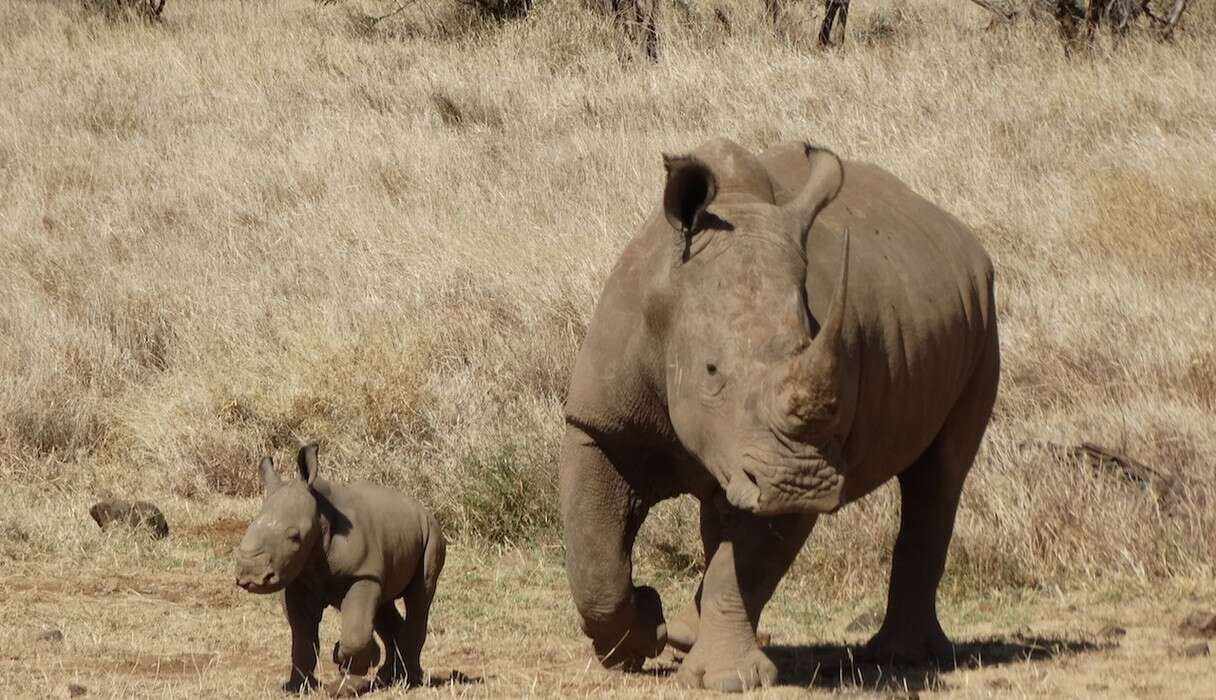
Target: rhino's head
(752, 387)
(280, 540)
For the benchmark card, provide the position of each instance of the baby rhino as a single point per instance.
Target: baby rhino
(357, 547)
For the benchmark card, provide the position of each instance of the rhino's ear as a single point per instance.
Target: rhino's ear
(691, 186)
(306, 460)
(827, 177)
(270, 478)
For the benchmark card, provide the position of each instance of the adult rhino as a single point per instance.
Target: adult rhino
(784, 335)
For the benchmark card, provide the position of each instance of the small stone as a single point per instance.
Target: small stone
(865, 622)
(51, 635)
(1000, 684)
(134, 514)
(1201, 623)
(1112, 630)
(1195, 650)
(75, 691)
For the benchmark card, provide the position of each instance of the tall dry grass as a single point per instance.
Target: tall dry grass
(253, 223)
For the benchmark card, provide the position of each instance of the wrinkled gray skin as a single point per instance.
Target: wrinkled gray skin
(356, 547)
(787, 333)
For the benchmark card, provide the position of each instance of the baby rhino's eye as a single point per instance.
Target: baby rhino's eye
(293, 534)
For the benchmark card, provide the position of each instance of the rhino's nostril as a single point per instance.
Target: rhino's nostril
(267, 578)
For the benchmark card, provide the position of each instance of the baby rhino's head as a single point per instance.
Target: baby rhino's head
(280, 540)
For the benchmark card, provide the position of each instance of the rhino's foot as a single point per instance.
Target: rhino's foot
(733, 674)
(396, 674)
(898, 647)
(645, 639)
(300, 684)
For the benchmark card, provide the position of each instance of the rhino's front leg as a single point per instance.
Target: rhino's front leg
(601, 515)
(304, 616)
(682, 631)
(749, 563)
(356, 652)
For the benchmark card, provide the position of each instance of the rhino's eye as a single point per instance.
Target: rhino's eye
(293, 534)
(713, 383)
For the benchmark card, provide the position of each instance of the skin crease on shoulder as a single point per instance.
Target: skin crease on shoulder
(357, 547)
(785, 334)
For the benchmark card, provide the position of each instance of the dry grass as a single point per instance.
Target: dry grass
(254, 223)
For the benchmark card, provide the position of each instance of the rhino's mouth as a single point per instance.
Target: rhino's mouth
(767, 486)
(254, 574)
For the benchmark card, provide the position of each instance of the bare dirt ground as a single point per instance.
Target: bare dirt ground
(149, 619)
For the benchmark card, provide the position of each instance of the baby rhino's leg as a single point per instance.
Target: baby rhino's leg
(418, 596)
(389, 624)
(304, 615)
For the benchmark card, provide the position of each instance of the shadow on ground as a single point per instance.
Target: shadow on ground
(834, 666)
(357, 687)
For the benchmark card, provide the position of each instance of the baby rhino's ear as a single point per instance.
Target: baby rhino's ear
(306, 460)
(270, 478)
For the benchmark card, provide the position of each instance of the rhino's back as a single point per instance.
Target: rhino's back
(920, 309)
(388, 532)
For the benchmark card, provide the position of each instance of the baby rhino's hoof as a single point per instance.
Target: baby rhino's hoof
(754, 670)
(356, 662)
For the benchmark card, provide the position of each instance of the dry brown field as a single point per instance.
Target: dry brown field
(255, 223)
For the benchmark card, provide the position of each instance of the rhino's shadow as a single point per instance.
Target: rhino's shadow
(834, 666)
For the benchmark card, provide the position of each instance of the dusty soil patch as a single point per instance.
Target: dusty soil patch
(153, 665)
(162, 637)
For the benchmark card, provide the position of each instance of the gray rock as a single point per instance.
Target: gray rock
(75, 690)
(50, 635)
(139, 515)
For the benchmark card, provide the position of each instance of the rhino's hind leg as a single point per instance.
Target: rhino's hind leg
(389, 623)
(410, 633)
(745, 570)
(910, 632)
(929, 494)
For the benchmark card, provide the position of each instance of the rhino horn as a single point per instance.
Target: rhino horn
(827, 177)
(813, 385)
